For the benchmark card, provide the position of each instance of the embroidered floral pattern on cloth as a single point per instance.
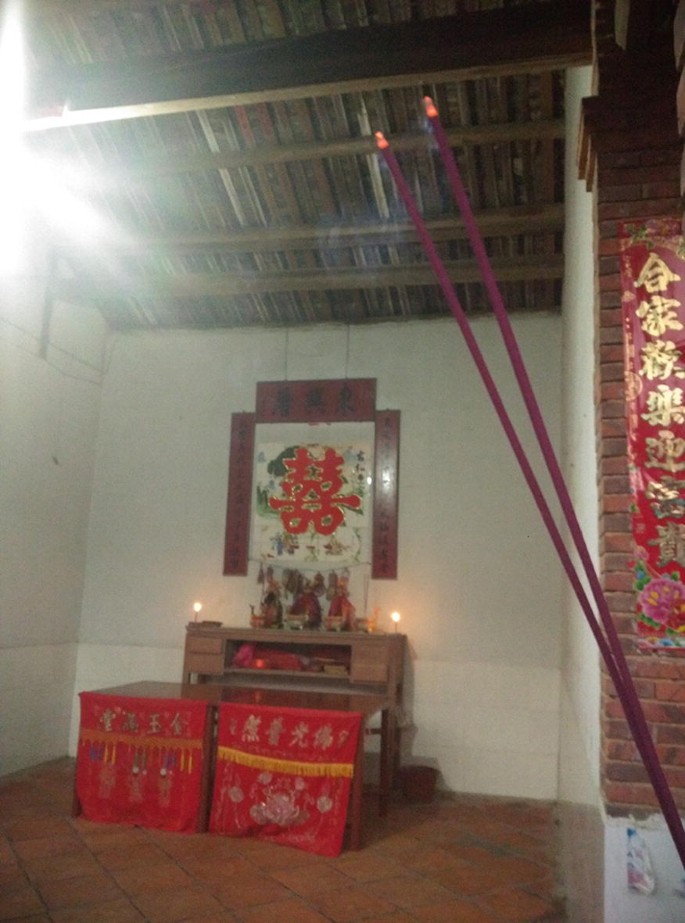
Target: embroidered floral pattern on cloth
(140, 761)
(284, 774)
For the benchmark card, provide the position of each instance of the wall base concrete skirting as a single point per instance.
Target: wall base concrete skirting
(593, 854)
(36, 683)
(582, 862)
(623, 905)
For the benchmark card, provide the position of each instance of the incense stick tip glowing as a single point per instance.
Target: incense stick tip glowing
(381, 140)
(429, 106)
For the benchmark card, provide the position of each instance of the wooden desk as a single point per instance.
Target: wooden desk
(214, 694)
(368, 663)
(371, 663)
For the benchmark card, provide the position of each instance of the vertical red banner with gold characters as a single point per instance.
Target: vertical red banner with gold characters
(653, 297)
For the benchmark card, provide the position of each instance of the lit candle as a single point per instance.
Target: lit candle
(395, 616)
(197, 609)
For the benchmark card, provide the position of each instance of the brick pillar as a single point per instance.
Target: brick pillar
(630, 156)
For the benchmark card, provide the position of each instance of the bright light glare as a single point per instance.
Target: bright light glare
(30, 185)
(11, 155)
(61, 206)
(12, 74)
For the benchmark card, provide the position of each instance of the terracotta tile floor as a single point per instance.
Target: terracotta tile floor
(457, 860)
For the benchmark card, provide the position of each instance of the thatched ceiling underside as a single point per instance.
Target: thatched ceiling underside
(224, 152)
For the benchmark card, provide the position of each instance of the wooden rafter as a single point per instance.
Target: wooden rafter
(512, 221)
(546, 129)
(531, 39)
(229, 284)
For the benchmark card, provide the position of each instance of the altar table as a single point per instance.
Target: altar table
(214, 694)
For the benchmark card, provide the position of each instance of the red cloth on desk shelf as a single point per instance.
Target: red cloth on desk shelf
(140, 761)
(284, 774)
(277, 659)
(250, 656)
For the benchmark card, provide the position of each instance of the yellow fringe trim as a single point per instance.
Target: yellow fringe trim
(149, 742)
(293, 767)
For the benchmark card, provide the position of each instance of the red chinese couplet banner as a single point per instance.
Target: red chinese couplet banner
(284, 775)
(141, 761)
(238, 505)
(653, 285)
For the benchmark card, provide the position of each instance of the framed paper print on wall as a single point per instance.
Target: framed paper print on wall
(305, 484)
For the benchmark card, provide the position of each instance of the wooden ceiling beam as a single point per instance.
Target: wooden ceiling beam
(210, 285)
(497, 42)
(505, 133)
(495, 222)
(637, 22)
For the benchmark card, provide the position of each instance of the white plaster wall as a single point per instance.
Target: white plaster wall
(48, 419)
(478, 586)
(582, 829)
(102, 665)
(581, 681)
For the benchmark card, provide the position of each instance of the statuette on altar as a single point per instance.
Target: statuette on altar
(341, 606)
(256, 620)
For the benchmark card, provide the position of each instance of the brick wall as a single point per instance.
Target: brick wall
(631, 157)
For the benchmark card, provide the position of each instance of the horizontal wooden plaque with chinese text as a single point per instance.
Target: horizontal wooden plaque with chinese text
(334, 401)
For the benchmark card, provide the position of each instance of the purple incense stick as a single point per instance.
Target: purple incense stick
(614, 659)
(626, 690)
(522, 378)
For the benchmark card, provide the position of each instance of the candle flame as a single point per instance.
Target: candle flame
(429, 105)
(381, 140)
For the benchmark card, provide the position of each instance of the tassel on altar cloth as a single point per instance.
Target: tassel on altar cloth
(141, 761)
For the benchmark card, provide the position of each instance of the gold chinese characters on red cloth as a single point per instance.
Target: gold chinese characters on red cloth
(140, 761)
(284, 775)
(653, 287)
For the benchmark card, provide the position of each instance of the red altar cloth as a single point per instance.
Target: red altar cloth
(284, 774)
(140, 761)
